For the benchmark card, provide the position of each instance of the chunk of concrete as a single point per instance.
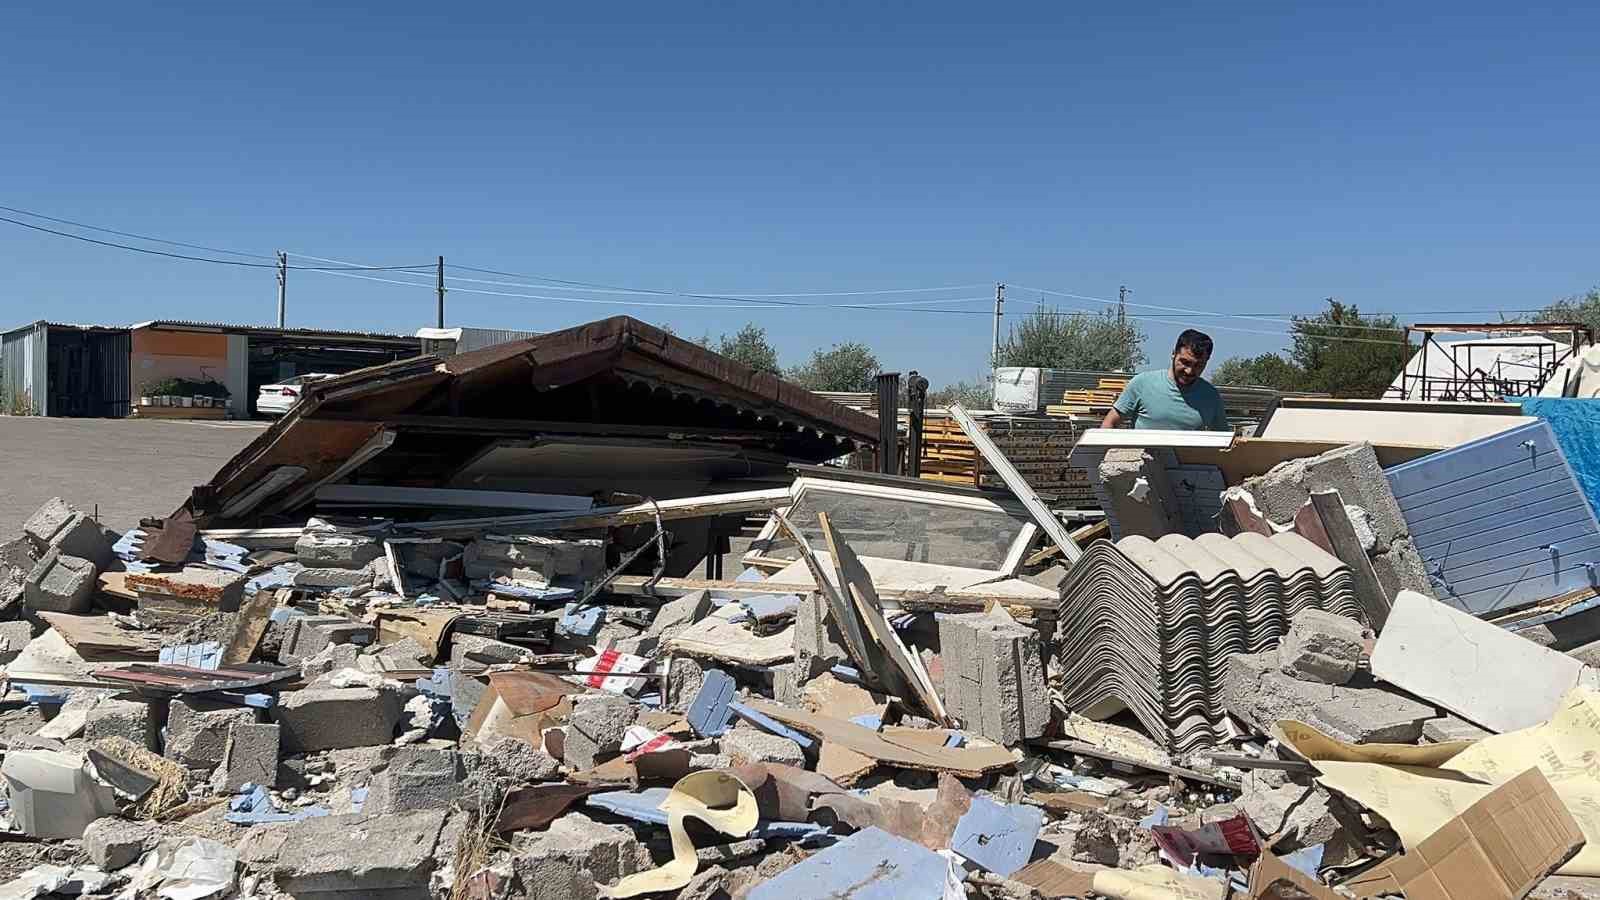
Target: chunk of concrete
(994, 676)
(1256, 690)
(1322, 647)
(114, 843)
(680, 614)
(251, 756)
(308, 636)
(130, 719)
(471, 651)
(332, 550)
(1112, 841)
(1292, 816)
(416, 778)
(533, 557)
(14, 638)
(596, 727)
(329, 718)
(552, 878)
(1141, 498)
(1445, 729)
(197, 730)
(750, 745)
(328, 578)
(1372, 716)
(606, 852)
(816, 635)
(359, 855)
(60, 583)
(52, 794)
(57, 525)
(684, 679)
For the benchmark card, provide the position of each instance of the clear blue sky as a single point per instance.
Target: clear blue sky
(1406, 157)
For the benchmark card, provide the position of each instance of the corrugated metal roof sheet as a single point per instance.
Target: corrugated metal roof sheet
(273, 329)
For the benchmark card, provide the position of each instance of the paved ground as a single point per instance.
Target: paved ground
(131, 468)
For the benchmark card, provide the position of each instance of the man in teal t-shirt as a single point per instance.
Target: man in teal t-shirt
(1175, 398)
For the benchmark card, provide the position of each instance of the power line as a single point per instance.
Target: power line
(129, 234)
(1285, 334)
(724, 294)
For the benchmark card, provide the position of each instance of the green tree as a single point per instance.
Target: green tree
(750, 347)
(846, 367)
(1267, 370)
(1057, 340)
(1583, 308)
(1341, 352)
(970, 394)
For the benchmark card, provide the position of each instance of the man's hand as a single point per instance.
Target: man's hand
(1113, 419)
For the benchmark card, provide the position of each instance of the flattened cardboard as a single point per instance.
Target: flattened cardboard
(1273, 879)
(1500, 848)
(1054, 880)
(888, 749)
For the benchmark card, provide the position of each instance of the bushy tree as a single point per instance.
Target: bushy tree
(750, 347)
(970, 394)
(1267, 370)
(1583, 308)
(1057, 340)
(845, 367)
(1343, 353)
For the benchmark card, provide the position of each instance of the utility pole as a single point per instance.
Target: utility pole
(1122, 307)
(283, 283)
(441, 292)
(999, 306)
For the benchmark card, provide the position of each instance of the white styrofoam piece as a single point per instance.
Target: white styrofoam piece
(1142, 438)
(1429, 429)
(1473, 668)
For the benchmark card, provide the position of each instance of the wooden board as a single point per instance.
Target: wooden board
(717, 638)
(251, 624)
(968, 762)
(96, 637)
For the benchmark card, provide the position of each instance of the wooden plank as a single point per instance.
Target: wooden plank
(976, 597)
(1347, 547)
(251, 625)
(1308, 524)
(1018, 485)
(611, 516)
(96, 636)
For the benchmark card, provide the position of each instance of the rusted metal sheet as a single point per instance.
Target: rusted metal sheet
(190, 680)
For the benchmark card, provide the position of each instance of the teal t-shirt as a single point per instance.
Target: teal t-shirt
(1152, 400)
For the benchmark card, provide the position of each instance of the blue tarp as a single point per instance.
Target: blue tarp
(1576, 424)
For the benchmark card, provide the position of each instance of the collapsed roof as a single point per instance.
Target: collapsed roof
(611, 406)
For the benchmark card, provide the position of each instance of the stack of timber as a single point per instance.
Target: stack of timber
(1245, 406)
(1038, 446)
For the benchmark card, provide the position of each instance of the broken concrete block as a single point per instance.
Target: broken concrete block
(14, 637)
(333, 658)
(532, 557)
(197, 730)
(469, 651)
(192, 585)
(816, 634)
(328, 578)
(1256, 690)
(251, 756)
(1372, 716)
(416, 778)
(329, 718)
(1141, 497)
(405, 653)
(314, 857)
(1445, 729)
(684, 679)
(680, 614)
(308, 636)
(130, 719)
(552, 878)
(113, 843)
(606, 852)
(751, 745)
(1294, 816)
(60, 583)
(62, 527)
(994, 676)
(331, 550)
(1321, 646)
(52, 794)
(519, 761)
(596, 728)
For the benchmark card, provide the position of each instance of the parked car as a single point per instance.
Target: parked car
(275, 399)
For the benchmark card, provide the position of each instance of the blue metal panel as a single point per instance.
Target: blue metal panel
(1500, 522)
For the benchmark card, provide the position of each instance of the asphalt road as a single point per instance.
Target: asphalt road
(130, 468)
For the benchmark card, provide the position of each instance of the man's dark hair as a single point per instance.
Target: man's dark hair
(1198, 342)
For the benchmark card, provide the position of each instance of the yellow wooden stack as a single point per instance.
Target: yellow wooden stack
(1086, 403)
(1037, 447)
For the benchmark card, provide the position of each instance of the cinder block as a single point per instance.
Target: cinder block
(416, 778)
(327, 578)
(595, 730)
(328, 718)
(128, 719)
(1372, 716)
(816, 634)
(994, 676)
(331, 550)
(113, 843)
(532, 557)
(67, 529)
(680, 614)
(469, 651)
(1141, 497)
(308, 636)
(60, 583)
(14, 636)
(1321, 646)
(750, 745)
(607, 852)
(251, 756)
(197, 730)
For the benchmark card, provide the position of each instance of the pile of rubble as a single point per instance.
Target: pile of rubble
(908, 689)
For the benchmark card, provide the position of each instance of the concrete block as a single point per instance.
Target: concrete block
(130, 719)
(113, 843)
(551, 878)
(348, 855)
(530, 557)
(328, 578)
(1256, 690)
(606, 852)
(308, 636)
(417, 778)
(332, 658)
(994, 676)
(329, 718)
(1293, 816)
(1400, 568)
(1141, 497)
(423, 560)
(595, 730)
(14, 636)
(519, 761)
(197, 730)
(1445, 729)
(58, 525)
(750, 745)
(469, 651)
(465, 692)
(18, 553)
(680, 614)
(331, 550)
(60, 583)
(1321, 646)
(405, 652)
(1372, 716)
(251, 756)
(683, 682)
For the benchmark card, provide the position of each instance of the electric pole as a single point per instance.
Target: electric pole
(999, 306)
(283, 283)
(1122, 307)
(441, 292)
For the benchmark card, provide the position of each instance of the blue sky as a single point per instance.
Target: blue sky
(1228, 159)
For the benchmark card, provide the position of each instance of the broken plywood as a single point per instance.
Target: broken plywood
(891, 749)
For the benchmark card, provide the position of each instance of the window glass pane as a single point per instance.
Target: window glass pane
(902, 529)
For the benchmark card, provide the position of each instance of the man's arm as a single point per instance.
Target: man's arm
(1113, 419)
(1219, 417)
(1126, 408)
